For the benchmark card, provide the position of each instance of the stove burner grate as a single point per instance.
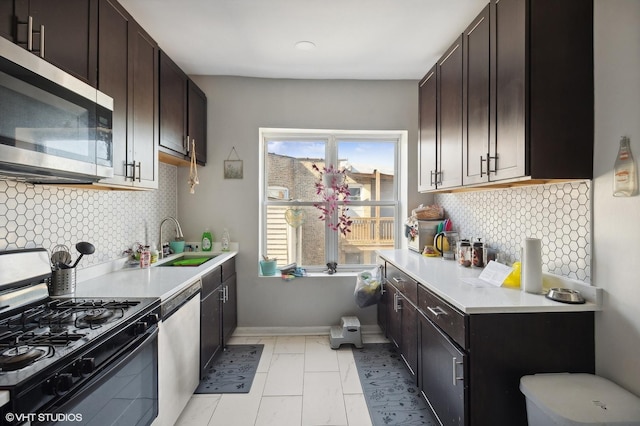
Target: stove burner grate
(19, 357)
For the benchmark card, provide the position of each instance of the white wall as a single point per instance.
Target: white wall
(616, 230)
(237, 108)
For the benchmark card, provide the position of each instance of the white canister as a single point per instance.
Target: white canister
(532, 266)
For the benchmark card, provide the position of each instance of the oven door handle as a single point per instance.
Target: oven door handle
(83, 388)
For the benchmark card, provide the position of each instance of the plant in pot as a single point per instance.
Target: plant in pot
(333, 188)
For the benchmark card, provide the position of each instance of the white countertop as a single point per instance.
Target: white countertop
(444, 278)
(155, 281)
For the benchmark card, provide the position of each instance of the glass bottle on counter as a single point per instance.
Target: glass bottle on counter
(154, 253)
(625, 181)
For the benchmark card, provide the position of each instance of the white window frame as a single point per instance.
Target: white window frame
(331, 137)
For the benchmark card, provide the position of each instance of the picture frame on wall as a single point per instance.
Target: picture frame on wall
(233, 169)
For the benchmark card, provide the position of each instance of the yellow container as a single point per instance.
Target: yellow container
(513, 279)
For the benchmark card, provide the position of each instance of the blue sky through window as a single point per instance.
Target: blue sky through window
(363, 155)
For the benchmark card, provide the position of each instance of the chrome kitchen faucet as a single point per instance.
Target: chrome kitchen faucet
(178, 232)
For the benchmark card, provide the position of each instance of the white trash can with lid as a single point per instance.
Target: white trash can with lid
(578, 399)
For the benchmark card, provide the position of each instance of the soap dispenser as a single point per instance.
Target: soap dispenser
(225, 240)
(207, 240)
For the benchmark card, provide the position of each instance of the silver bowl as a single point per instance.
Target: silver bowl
(565, 295)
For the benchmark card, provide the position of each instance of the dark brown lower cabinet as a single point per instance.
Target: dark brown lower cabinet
(383, 309)
(468, 366)
(218, 311)
(394, 319)
(409, 338)
(442, 374)
(229, 300)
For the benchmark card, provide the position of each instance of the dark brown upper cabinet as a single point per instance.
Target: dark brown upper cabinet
(173, 105)
(527, 97)
(197, 120)
(544, 88)
(128, 72)
(64, 34)
(427, 131)
(449, 110)
(6, 19)
(182, 114)
(477, 100)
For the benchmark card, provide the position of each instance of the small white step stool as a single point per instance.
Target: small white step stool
(347, 332)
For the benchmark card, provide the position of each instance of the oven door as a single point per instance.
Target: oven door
(124, 393)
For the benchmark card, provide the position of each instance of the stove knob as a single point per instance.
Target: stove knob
(58, 384)
(153, 319)
(139, 328)
(83, 367)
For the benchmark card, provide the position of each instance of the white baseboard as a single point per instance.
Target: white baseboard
(296, 331)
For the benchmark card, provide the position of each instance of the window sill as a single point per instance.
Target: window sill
(318, 275)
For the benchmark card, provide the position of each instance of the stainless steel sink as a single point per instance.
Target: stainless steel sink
(189, 259)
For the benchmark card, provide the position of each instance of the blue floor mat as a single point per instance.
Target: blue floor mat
(391, 395)
(232, 371)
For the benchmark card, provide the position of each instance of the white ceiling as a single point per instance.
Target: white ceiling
(355, 39)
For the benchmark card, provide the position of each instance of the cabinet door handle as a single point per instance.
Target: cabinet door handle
(396, 302)
(398, 280)
(226, 293)
(454, 367)
(133, 171)
(221, 294)
(495, 164)
(30, 34)
(482, 160)
(431, 173)
(139, 166)
(188, 145)
(437, 311)
(398, 306)
(439, 178)
(42, 41)
(30, 37)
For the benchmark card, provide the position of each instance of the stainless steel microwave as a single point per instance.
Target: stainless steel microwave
(54, 128)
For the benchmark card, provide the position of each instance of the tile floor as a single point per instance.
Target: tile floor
(300, 381)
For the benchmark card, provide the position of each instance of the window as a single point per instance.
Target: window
(291, 230)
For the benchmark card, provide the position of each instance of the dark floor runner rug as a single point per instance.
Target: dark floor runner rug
(232, 371)
(391, 395)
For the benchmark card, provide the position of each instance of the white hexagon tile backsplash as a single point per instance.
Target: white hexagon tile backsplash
(44, 216)
(558, 214)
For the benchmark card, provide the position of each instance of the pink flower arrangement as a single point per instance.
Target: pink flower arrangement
(332, 185)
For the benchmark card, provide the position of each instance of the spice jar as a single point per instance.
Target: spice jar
(145, 257)
(479, 254)
(464, 253)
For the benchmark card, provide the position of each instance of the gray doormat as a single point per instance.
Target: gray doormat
(391, 395)
(232, 371)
